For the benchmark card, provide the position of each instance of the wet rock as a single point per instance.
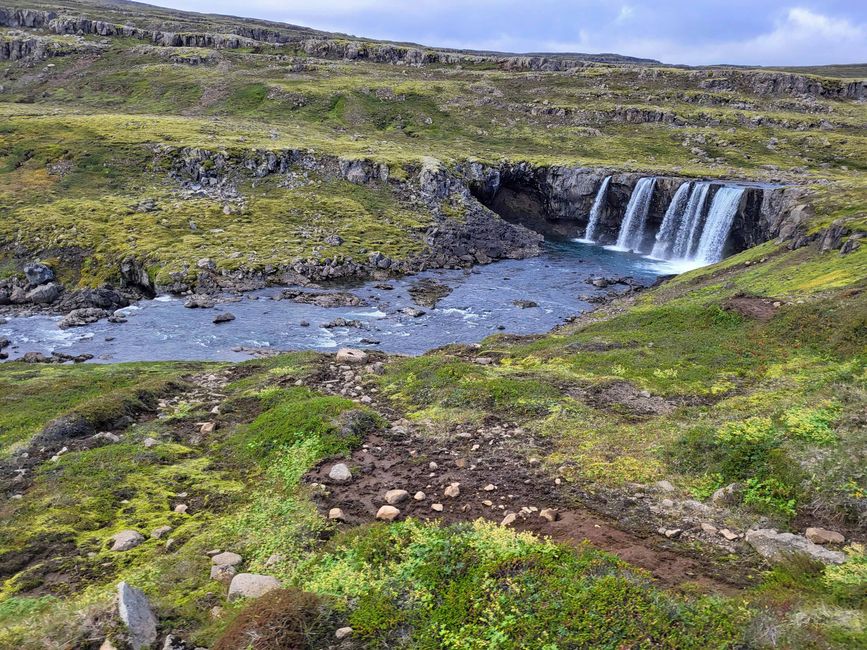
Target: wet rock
(342, 322)
(135, 612)
(351, 355)
(199, 301)
(824, 536)
(81, 317)
(227, 558)
(412, 312)
(323, 299)
(525, 304)
(340, 473)
(37, 274)
(126, 540)
(225, 317)
(251, 585)
(387, 513)
(428, 292)
(776, 546)
(101, 298)
(394, 497)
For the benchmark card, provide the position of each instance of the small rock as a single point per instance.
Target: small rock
(509, 519)
(550, 514)
(223, 573)
(729, 535)
(273, 559)
(824, 536)
(665, 486)
(227, 558)
(340, 473)
(438, 507)
(336, 514)
(342, 633)
(181, 508)
(160, 532)
(710, 529)
(387, 513)
(453, 490)
(393, 497)
(419, 496)
(150, 442)
(126, 539)
(251, 585)
(490, 487)
(672, 533)
(726, 495)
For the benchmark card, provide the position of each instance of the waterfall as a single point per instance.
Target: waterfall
(596, 210)
(719, 221)
(689, 227)
(632, 228)
(671, 222)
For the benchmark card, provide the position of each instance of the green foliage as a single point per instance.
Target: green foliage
(770, 495)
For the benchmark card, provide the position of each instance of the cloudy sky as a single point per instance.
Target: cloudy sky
(758, 32)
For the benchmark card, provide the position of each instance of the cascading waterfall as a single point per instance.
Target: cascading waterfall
(632, 229)
(596, 210)
(671, 222)
(719, 221)
(690, 222)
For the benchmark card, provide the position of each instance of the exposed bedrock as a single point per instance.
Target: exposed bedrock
(557, 201)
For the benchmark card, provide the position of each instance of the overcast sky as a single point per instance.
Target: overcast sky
(758, 32)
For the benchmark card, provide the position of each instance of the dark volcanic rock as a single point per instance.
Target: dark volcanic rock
(37, 274)
(104, 298)
(80, 317)
(323, 299)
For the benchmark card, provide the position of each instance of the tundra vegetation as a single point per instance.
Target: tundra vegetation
(749, 374)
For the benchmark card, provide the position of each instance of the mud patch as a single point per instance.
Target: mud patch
(626, 398)
(753, 307)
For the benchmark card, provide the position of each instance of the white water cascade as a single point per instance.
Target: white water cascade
(722, 213)
(632, 228)
(671, 222)
(596, 210)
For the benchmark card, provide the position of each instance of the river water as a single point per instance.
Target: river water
(481, 303)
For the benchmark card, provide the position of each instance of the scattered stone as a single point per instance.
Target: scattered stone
(726, 495)
(181, 508)
(81, 317)
(126, 539)
(419, 496)
(433, 466)
(340, 473)
(342, 322)
(453, 490)
(223, 573)
(273, 559)
(824, 536)
(664, 486)
(160, 532)
(509, 519)
(393, 497)
(227, 558)
(387, 513)
(490, 487)
(208, 427)
(44, 294)
(351, 355)
(729, 535)
(776, 546)
(150, 442)
(251, 585)
(673, 533)
(412, 312)
(550, 514)
(342, 633)
(135, 612)
(336, 514)
(710, 529)
(225, 317)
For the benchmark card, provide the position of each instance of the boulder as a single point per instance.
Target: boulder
(81, 317)
(776, 546)
(223, 573)
(126, 539)
(824, 536)
(351, 355)
(387, 513)
(336, 514)
(45, 294)
(251, 585)
(199, 301)
(225, 317)
(226, 558)
(340, 473)
(135, 612)
(37, 274)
